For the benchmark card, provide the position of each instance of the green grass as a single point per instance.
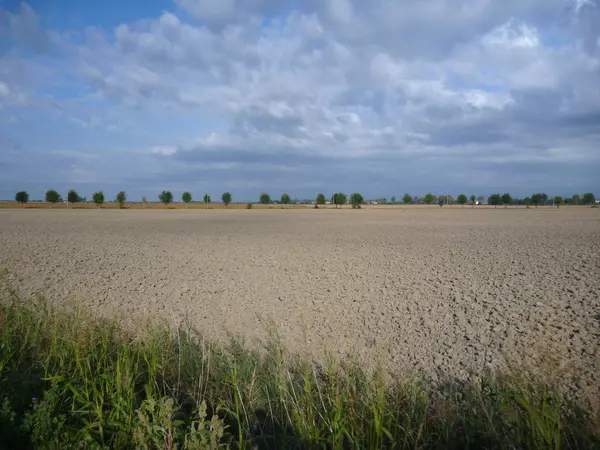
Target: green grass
(71, 381)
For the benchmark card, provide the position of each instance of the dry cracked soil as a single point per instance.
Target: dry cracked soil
(446, 292)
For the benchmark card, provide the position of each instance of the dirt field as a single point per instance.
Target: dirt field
(445, 291)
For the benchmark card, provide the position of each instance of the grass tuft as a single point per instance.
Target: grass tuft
(68, 380)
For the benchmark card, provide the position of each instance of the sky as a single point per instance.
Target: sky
(381, 97)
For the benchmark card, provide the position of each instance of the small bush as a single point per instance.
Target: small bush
(249, 206)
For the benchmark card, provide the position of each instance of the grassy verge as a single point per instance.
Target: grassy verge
(71, 381)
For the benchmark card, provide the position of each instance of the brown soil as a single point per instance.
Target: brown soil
(448, 292)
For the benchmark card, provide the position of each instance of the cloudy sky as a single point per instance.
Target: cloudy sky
(380, 96)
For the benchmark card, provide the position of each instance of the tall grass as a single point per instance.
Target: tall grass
(71, 381)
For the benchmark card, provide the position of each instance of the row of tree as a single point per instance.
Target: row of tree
(338, 199)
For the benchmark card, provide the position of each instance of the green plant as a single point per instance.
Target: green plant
(429, 198)
(98, 198)
(285, 199)
(576, 199)
(186, 197)
(264, 199)
(494, 199)
(473, 198)
(558, 200)
(120, 198)
(339, 199)
(249, 206)
(407, 199)
(321, 200)
(73, 196)
(206, 199)
(393, 200)
(356, 200)
(52, 197)
(589, 198)
(165, 197)
(461, 199)
(506, 199)
(226, 198)
(22, 197)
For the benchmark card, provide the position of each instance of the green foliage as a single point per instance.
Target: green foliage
(589, 198)
(506, 199)
(285, 199)
(264, 199)
(73, 196)
(461, 199)
(249, 206)
(68, 380)
(393, 200)
(473, 199)
(121, 198)
(429, 198)
(356, 200)
(576, 199)
(165, 197)
(226, 198)
(206, 199)
(98, 198)
(321, 200)
(494, 199)
(536, 199)
(407, 199)
(22, 197)
(558, 201)
(527, 201)
(186, 197)
(52, 197)
(339, 199)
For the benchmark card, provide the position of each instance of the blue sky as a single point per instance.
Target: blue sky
(316, 96)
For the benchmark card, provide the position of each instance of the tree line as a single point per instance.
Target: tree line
(338, 199)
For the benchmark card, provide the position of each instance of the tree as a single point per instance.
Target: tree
(98, 198)
(495, 199)
(558, 200)
(120, 198)
(339, 199)
(226, 198)
(22, 197)
(165, 197)
(429, 198)
(73, 196)
(536, 199)
(589, 198)
(407, 199)
(506, 199)
(527, 201)
(356, 200)
(473, 198)
(264, 199)
(461, 199)
(186, 197)
(543, 198)
(52, 197)
(321, 199)
(393, 200)
(285, 199)
(576, 199)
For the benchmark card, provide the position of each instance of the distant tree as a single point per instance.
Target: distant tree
(576, 199)
(558, 200)
(356, 200)
(567, 201)
(506, 199)
(73, 196)
(144, 201)
(536, 199)
(285, 199)
(321, 200)
(589, 198)
(98, 198)
(461, 199)
(186, 197)
(52, 197)
(165, 197)
(393, 200)
(429, 198)
(495, 199)
(226, 198)
(120, 198)
(440, 201)
(264, 199)
(527, 201)
(22, 197)
(543, 198)
(473, 198)
(407, 199)
(339, 199)
(249, 206)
